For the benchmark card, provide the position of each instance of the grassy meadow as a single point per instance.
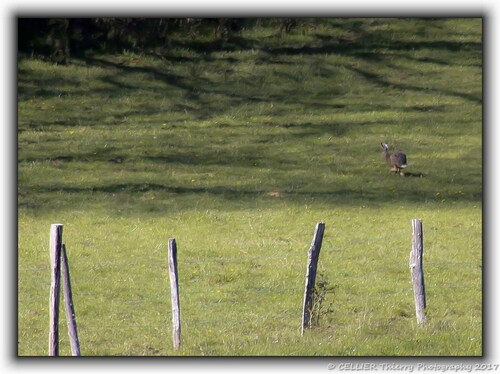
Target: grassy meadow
(237, 148)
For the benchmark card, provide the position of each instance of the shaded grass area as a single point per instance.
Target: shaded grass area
(274, 111)
(237, 148)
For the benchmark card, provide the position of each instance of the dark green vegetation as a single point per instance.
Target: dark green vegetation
(236, 146)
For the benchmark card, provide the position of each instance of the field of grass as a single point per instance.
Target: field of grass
(237, 149)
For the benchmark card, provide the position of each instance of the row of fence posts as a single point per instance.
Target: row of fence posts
(60, 269)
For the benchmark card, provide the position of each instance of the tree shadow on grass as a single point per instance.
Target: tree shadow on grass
(362, 46)
(377, 79)
(115, 193)
(197, 88)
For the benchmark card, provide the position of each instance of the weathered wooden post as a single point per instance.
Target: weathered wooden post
(55, 264)
(417, 271)
(68, 303)
(312, 264)
(174, 293)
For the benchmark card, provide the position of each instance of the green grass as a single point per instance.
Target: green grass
(238, 152)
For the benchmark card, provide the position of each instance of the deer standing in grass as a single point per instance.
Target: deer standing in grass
(396, 161)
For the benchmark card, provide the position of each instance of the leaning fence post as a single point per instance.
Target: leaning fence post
(417, 271)
(174, 293)
(312, 264)
(68, 303)
(55, 264)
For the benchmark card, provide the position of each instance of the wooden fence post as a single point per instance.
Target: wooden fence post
(55, 264)
(174, 293)
(312, 264)
(417, 271)
(68, 303)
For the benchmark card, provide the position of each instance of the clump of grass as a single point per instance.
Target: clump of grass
(322, 290)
